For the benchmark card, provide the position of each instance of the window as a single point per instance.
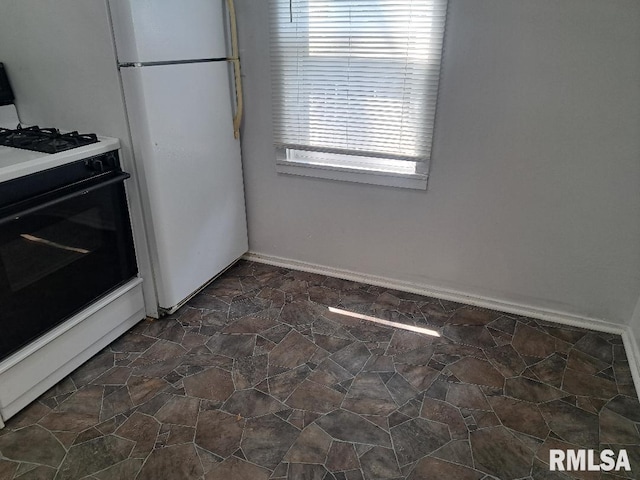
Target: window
(355, 85)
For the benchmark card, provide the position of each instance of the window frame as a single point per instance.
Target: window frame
(350, 168)
(350, 173)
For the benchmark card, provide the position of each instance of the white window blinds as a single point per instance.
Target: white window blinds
(356, 77)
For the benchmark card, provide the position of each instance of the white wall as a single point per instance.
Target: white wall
(62, 67)
(634, 325)
(534, 191)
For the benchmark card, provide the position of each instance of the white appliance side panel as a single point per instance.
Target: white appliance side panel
(168, 30)
(181, 122)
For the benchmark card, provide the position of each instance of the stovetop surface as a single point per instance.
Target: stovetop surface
(17, 162)
(45, 140)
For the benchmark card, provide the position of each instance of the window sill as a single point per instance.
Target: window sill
(414, 181)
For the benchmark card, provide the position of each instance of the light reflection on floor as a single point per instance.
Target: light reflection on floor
(388, 323)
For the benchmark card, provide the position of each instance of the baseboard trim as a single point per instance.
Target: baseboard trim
(556, 316)
(444, 294)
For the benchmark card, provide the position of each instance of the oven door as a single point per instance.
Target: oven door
(59, 253)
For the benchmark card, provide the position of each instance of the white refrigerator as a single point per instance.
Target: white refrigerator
(180, 103)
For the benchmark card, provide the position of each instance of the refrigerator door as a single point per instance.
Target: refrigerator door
(181, 123)
(168, 30)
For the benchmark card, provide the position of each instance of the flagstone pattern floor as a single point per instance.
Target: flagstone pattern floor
(256, 379)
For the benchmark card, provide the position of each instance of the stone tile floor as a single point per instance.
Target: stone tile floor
(256, 378)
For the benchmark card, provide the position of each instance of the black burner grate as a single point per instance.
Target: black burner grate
(45, 140)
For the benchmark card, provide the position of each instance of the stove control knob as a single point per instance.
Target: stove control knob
(96, 165)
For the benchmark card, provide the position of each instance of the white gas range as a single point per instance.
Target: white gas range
(68, 275)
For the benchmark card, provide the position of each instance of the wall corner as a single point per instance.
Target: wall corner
(631, 339)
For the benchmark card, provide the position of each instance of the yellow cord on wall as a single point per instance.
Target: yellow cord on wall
(237, 118)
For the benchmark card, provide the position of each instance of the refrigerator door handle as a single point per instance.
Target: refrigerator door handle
(237, 118)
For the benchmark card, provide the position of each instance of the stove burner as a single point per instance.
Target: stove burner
(45, 140)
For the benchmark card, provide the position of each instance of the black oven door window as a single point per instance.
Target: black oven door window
(58, 258)
(47, 249)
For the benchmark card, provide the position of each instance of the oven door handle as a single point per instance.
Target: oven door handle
(78, 191)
